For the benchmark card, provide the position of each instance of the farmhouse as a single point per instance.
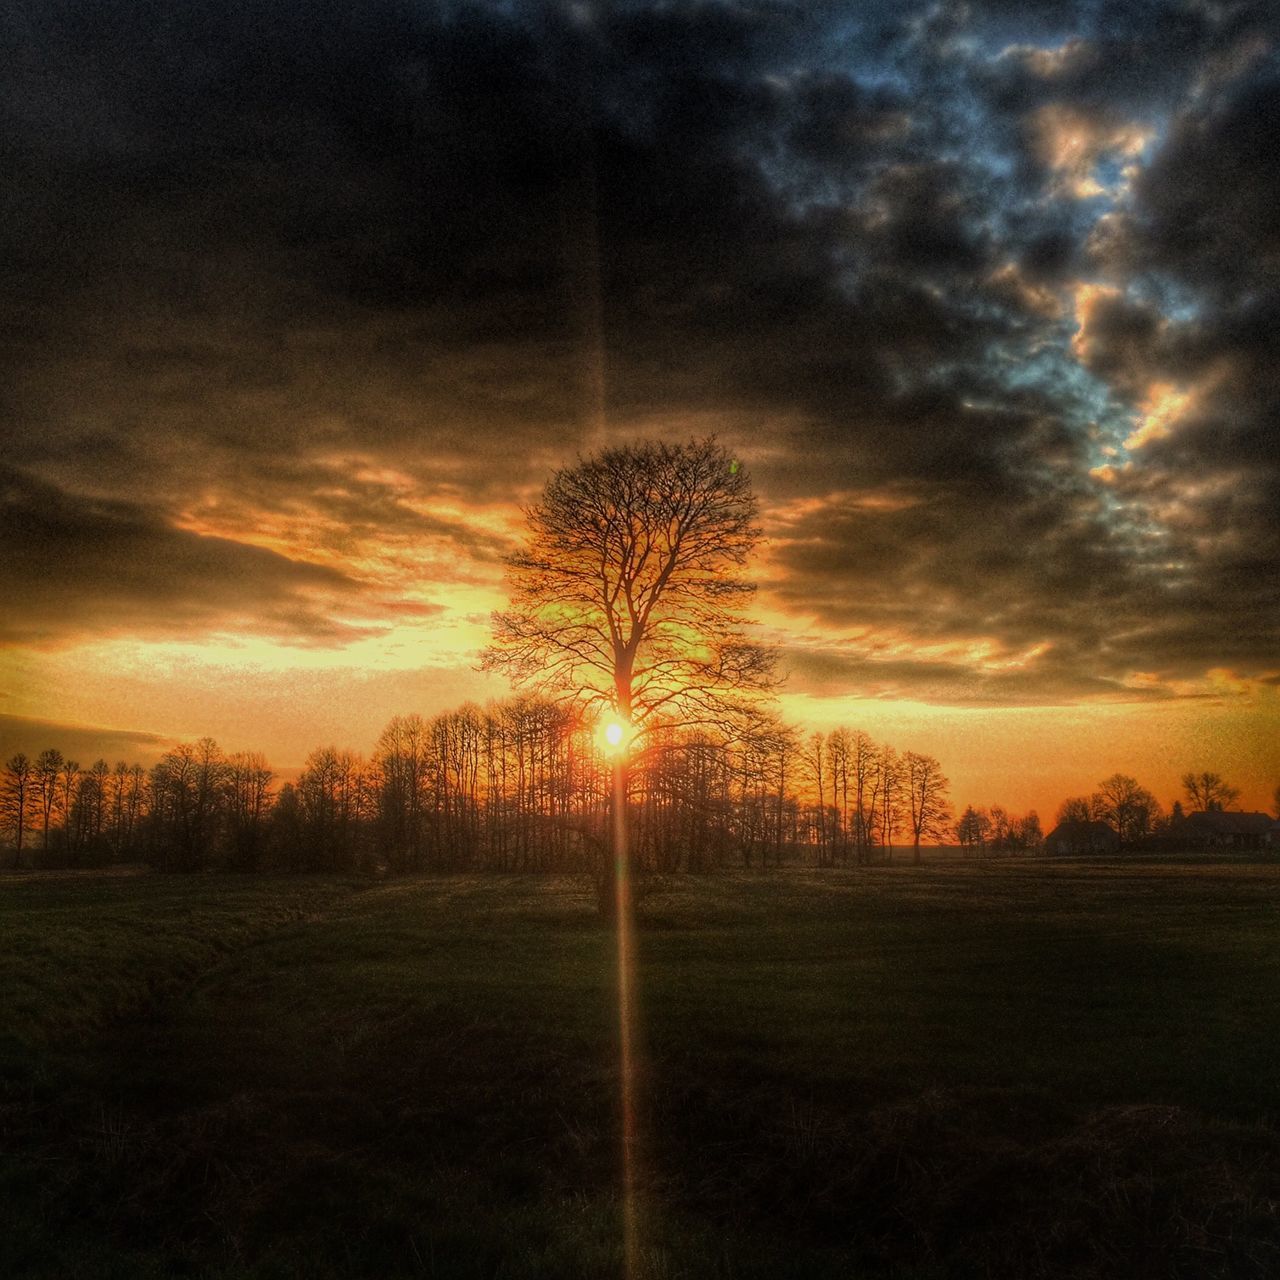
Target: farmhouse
(1081, 837)
(1223, 829)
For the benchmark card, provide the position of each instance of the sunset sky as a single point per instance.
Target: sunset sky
(301, 302)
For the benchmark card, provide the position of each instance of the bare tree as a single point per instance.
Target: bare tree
(838, 750)
(17, 798)
(247, 781)
(998, 829)
(1075, 809)
(92, 802)
(333, 792)
(400, 761)
(68, 786)
(188, 794)
(972, 828)
(1207, 791)
(926, 794)
(785, 746)
(628, 594)
(815, 758)
(48, 769)
(890, 765)
(1131, 810)
(1030, 833)
(1091, 808)
(1001, 826)
(866, 759)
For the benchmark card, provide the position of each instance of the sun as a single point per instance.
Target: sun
(615, 734)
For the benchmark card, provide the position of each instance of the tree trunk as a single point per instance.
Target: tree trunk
(613, 886)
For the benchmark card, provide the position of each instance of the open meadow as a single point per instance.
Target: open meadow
(1017, 1069)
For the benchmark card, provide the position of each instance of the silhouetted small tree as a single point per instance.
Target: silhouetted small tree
(927, 804)
(1131, 810)
(971, 828)
(1090, 808)
(248, 799)
(1208, 791)
(17, 797)
(48, 769)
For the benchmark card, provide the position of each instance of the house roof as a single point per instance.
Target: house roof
(1222, 822)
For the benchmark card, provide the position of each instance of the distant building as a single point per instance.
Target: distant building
(1081, 837)
(1223, 829)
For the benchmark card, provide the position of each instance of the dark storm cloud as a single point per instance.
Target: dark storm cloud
(78, 742)
(114, 566)
(1208, 206)
(1202, 242)
(1041, 682)
(262, 253)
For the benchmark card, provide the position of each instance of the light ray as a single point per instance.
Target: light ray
(626, 1016)
(616, 734)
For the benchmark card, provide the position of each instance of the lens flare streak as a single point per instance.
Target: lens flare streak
(626, 1020)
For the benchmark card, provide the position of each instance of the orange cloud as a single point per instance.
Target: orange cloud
(1072, 144)
(1088, 299)
(1051, 62)
(1164, 406)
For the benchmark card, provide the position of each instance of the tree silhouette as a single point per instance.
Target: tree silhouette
(1091, 808)
(48, 768)
(972, 828)
(627, 594)
(248, 797)
(926, 791)
(1208, 791)
(17, 795)
(1131, 810)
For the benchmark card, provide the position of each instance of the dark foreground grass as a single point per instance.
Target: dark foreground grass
(1027, 1070)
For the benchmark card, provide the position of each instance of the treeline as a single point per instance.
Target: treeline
(1137, 818)
(1120, 803)
(978, 830)
(519, 785)
(1124, 805)
(523, 785)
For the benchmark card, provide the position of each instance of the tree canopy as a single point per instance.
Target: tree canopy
(1208, 791)
(629, 593)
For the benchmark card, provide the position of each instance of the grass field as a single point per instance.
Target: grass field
(1015, 1070)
